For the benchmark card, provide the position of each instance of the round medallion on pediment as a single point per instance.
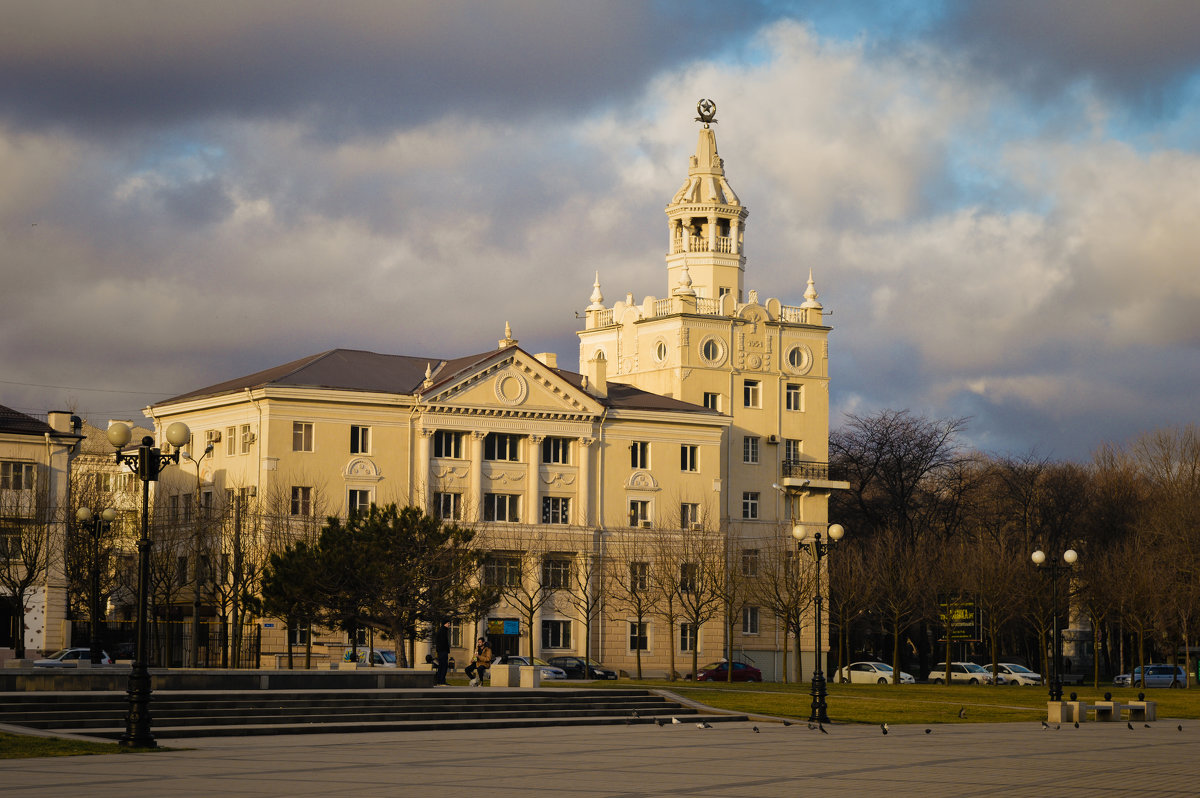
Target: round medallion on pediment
(511, 389)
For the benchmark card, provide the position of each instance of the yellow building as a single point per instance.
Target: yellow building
(696, 425)
(35, 459)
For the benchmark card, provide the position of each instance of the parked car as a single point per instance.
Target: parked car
(719, 672)
(1012, 673)
(966, 672)
(375, 657)
(548, 671)
(871, 673)
(578, 668)
(1156, 676)
(70, 657)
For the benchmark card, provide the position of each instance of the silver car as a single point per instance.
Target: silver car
(967, 672)
(548, 671)
(1156, 676)
(871, 673)
(70, 657)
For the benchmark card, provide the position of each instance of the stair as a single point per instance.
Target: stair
(183, 714)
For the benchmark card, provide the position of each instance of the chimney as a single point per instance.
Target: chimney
(597, 375)
(548, 359)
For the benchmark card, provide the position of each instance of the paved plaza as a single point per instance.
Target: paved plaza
(729, 759)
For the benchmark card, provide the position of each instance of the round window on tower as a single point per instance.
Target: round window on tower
(712, 351)
(660, 352)
(799, 359)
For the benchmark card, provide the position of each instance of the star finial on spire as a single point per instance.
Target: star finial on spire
(707, 110)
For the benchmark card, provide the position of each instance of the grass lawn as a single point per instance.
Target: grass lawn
(16, 746)
(910, 703)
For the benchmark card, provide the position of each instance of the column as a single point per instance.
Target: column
(475, 492)
(533, 514)
(712, 232)
(735, 245)
(421, 469)
(583, 492)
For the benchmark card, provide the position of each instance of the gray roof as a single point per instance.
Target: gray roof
(14, 421)
(358, 370)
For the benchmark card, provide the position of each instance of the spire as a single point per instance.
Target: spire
(428, 375)
(596, 298)
(684, 286)
(507, 340)
(810, 294)
(706, 183)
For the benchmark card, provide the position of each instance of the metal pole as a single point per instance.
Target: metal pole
(1055, 681)
(137, 721)
(819, 713)
(95, 530)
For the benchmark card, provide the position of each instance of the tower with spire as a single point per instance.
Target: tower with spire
(710, 342)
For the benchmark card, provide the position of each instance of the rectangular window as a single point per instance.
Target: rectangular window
(501, 570)
(794, 397)
(792, 449)
(302, 436)
(104, 482)
(556, 450)
(749, 620)
(639, 640)
(687, 637)
(752, 393)
(556, 510)
(185, 506)
(247, 438)
(639, 512)
(447, 444)
(689, 457)
(556, 573)
(360, 440)
(501, 507)
(181, 570)
(298, 636)
(456, 634)
(749, 562)
(173, 509)
(712, 401)
(358, 501)
(689, 577)
(750, 449)
(16, 476)
(556, 634)
(501, 446)
(448, 506)
(750, 505)
(639, 454)
(689, 515)
(301, 500)
(231, 440)
(639, 576)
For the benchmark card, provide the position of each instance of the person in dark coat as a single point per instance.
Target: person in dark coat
(441, 645)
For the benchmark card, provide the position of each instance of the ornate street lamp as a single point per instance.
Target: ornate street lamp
(146, 462)
(818, 547)
(95, 527)
(1053, 567)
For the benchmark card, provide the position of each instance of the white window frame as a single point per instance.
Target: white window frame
(750, 561)
(794, 397)
(793, 449)
(556, 572)
(556, 450)
(639, 576)
(354, 500)
(639, 636)
(447, 444)
(447, 506)
(502, 508)
(712, 401)
(689, 637)
(750, 500)
(751, 393)
(302, 436)
(247, 438)
(360, 439)
(750, 621)
(502, 447)
(301, 503)
(689, 457)
(639, 454)
(689, 513)
(556, 634)
(556, 510)
(639, 512)
(751, 450)
(231, 441)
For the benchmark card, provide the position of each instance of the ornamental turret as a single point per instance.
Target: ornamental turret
(706, 222)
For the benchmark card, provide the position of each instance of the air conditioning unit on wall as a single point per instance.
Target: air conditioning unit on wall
(772, 439)
(212, 436)
(645, 524)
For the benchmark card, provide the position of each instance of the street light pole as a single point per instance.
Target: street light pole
(818, 547)
(147, 462)
(1053, 568)
(95, 527)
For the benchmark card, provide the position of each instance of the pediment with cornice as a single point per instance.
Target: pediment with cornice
(641, 480)
(362, 469)
(516, 385)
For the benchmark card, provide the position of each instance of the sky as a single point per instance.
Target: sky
(999, 201)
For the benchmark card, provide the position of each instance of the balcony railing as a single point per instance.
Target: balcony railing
(723, 244)
(808, 469)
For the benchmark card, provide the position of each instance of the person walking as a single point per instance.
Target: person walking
(477, 670)
(441, 645)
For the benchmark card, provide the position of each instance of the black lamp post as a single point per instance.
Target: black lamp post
(95, 527)
(818, 547)
(1053, 567)
(147, 462)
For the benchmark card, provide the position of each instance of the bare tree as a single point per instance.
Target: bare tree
(632, 587)
(517, 564)
(690, 568)
(785, 586)
(26, 521)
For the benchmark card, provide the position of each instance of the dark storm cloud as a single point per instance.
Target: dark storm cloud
(1142, 52)
(344, 66)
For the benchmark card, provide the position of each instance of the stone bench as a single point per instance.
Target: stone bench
(1104, 711)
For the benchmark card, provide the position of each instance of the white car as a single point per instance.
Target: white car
(871, 673)
(965, 672)
(70, 657)
(1012, 673)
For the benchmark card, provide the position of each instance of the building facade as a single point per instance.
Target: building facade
(694, 430)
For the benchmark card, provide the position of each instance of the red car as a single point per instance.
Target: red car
(719, 672)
